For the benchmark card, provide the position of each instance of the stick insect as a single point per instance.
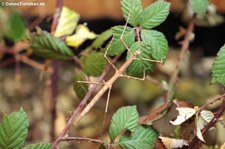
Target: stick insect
(119, 72)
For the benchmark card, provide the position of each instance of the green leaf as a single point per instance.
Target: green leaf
(67, 22)
(39, 146)
(15, 29)
(199, 6)
(143, 137)
(80, 88)
(99, 41)
(158, 43)
(13, 130)
(102, 146)
(138, 66)
(48, 46)
(124, 118)
(218, 69)
(94, 64)
(131, 11)
(154, 14)
(117, 46)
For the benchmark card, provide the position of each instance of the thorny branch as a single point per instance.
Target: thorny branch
(55, 74)
(185, 46)
(196, 142)
(83, 103)
(82, 139)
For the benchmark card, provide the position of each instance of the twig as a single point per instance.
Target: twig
(35, 23)
(14, 51)
(213, 101)
(54, 89)
(7, 62)
(196, 142)
(17, 68)
(185, 46)
(146, 120)
(83, 102)
(82, 139)
(54, 77)
(34, 64)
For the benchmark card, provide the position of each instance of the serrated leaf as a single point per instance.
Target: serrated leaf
(67, 22)
(39, 146)
(154, 14)
(199, 6)
(99, 41)
(116, 46)
(158, 43)
(82, 34)
(131, 11)
(94, 64)
(80, 88)
(142, 138)
(218, 69)
(13, 130)
(138, 67)
(184, 114)
(124, 118)
(48, 46)
(171, 143)
(15, 28)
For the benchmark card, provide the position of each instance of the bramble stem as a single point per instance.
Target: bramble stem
(82, 139)
(196, 142)
(82, 103)
(185, 46)
(55, 74)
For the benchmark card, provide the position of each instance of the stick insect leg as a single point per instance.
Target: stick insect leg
(106, 57)
(121, 37)
(89, 82)
(150, 60)
(135, 78)
(106, 110)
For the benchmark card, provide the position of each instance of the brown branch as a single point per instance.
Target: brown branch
(147, 120)
(55, 74)
(196, 142)
(212, 102)
(83, 102)
(7, 62)
(185, 48)
(34, 64)
(82, 139)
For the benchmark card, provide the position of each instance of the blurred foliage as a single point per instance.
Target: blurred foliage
(195, 91)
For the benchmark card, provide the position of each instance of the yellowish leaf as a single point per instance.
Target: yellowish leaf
(67, 22)
(82, 34)
(171, 143)
(184, 114)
